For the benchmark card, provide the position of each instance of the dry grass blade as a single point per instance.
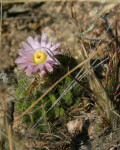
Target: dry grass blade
(95, 84)
(10, 137)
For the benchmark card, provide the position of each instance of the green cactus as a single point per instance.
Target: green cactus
(25, 100)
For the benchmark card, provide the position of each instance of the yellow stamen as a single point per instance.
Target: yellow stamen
(39, 57)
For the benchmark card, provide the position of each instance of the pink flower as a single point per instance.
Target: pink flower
(38, 55)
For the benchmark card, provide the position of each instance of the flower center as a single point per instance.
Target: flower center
(39, 57)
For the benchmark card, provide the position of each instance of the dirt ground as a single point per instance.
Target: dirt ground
(20, 20)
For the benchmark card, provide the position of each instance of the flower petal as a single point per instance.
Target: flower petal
(49, 44)
(43, 39)
(42, 73)
(29, 57)
(28, 70)
(22, 66)
(36, 42)
(48, 67)
(54, 47)
(21, 60)
(21, 52)
(53, 62)
(38, 67)
(31, 42)
(26, 46)
(56, 53)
